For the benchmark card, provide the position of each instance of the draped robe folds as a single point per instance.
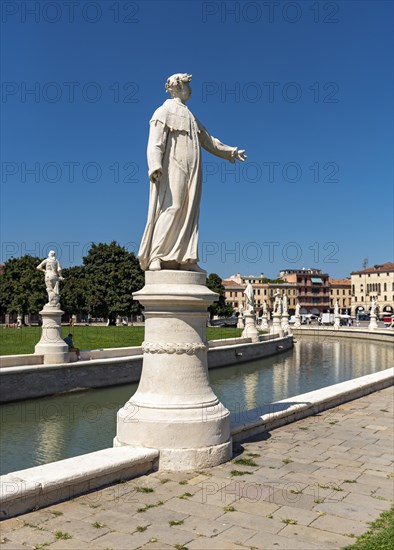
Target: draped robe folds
(171, 233)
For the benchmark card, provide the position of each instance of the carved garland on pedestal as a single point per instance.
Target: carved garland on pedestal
(178, 349)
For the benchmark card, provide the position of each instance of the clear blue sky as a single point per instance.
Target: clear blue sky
(312, 105)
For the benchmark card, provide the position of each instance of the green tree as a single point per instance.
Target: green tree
(214, 283)
(112, 274)
(22, 287)
(73, 290)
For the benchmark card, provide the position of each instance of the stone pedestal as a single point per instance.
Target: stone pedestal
(373, 325)
(276, 327)
(240, 322)
(285, 322)
(264, 323)
(52, 346)
(250, 330)
(297, 323)
(337, 322)
(174, 408)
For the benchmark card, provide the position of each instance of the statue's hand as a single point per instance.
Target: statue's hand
(241, 155)
(61, 278)
(155, 177)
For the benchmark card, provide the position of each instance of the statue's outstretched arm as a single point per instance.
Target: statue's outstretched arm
(217, 148)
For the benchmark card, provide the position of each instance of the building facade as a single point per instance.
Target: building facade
(341, 291)
(377, 283)
(313, 291)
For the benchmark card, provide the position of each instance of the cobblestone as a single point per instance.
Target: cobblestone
(316, 484)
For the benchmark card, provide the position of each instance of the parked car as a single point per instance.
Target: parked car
(224, 322)
(363, 317)
(388, 320)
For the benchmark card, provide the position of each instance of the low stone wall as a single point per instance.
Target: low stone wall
(320, 333)
(26, 382)
(21, 360)
(262, 419)
(41, 486)
(240, 353)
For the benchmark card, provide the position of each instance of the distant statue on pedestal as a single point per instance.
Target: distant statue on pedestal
(53, 274)
(373, 307)
(277, 302)
(372, 321)
(51, 345)
(264, 323)
(337, 319)
(284, 303)
(297, 323)
(249, 298)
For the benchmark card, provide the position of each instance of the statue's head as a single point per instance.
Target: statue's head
(51, 254)
(178, 85)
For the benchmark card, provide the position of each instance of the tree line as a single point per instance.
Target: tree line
(102, 286)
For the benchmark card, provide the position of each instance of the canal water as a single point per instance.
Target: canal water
(39, 431)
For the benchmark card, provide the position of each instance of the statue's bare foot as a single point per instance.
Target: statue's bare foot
(155, 265)
(193, 267)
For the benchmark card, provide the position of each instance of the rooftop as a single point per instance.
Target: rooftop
(377, 268)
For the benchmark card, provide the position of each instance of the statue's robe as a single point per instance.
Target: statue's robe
(171, 232)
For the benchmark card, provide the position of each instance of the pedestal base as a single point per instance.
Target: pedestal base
(373, 325)
(264, 323)
(337, 322)
(276, 327)
(250, 330)
(285, 322)
(174, 409)
(51, 345)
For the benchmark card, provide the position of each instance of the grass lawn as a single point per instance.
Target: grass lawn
(380, 536)
(16, 341)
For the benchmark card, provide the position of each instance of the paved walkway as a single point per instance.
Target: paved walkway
(315, 484)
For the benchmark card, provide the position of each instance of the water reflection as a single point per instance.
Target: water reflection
(44, 430)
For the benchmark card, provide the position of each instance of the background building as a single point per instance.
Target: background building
(341, 290)
(377, 283)
(313, 290)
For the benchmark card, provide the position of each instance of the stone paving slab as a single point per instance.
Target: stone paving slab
(313, 484)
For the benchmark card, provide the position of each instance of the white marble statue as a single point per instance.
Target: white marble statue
(264, 308)
(373, 307)
(284, 303)
(174, 162)
(249, 298)
(297, 309)
(53, 274)
(336, 308)
(277, 302)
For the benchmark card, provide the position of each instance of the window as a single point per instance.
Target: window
(355, 298)
(362, 298)
(337, 291)
(353, 288)
(384, 287)
(343, 292)
(385, 298)
(258, 292)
